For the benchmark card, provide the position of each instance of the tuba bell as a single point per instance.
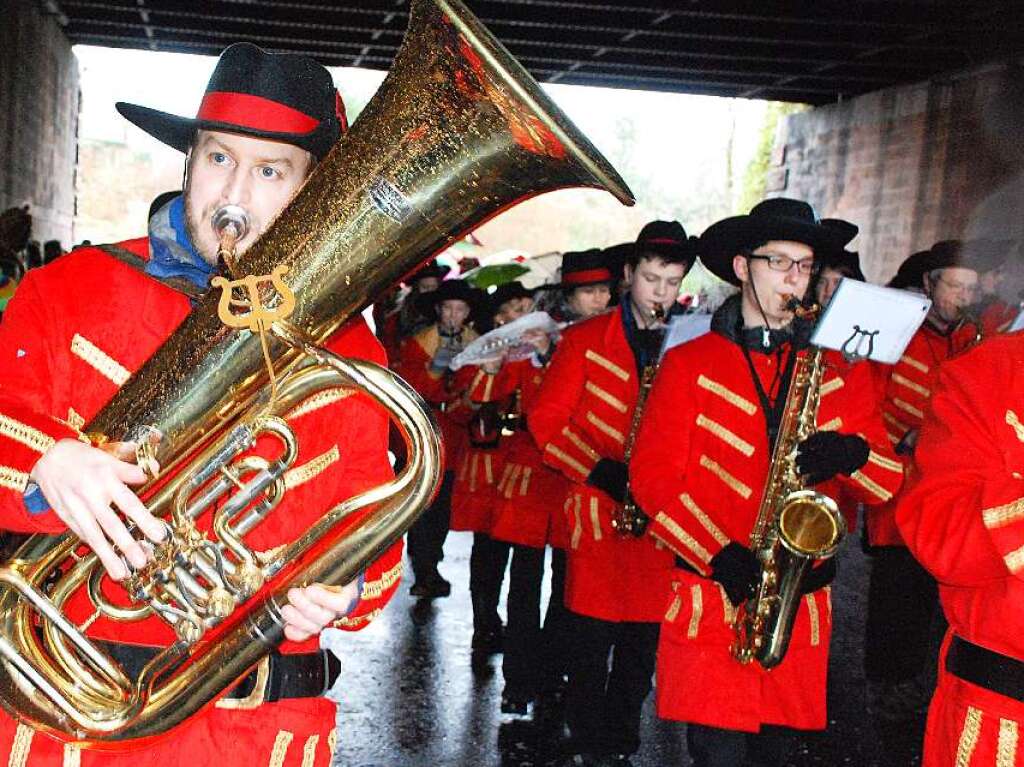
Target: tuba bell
(457, 133)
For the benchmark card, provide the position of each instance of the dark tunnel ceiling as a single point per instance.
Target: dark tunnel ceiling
(815, 52)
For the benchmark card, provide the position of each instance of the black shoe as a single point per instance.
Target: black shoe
(488, 642)
(431, 588)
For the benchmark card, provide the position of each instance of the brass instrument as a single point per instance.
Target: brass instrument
(457, 132)
(629, 519)
(795, 526)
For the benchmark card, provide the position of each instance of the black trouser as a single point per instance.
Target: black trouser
(715, 747)
(534, 659)
(487, 563)
(902, 603)
(426, 536)
(602, 707)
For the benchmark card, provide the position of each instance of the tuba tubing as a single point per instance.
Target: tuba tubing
(457, 133)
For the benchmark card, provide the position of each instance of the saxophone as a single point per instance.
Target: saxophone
(795, 526)
(629, 519)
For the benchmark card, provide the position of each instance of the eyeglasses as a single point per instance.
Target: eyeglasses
(779, 263)
(959, 287)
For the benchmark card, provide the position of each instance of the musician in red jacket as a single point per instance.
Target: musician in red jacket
(961, 515)
(616, 586)
(902, 596)
(77, 330)
(698, 470)
(423, 363)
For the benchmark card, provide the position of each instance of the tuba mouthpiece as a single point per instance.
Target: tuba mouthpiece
(230, 221)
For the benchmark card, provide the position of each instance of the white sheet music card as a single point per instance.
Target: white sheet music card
(1018, 323)
(870, 322)
(685, 327)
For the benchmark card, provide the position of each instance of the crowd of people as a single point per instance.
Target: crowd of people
(551, 451)
(640, 463)
(19, 252)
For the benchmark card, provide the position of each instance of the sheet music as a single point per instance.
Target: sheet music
(683, 328)
(870, 321)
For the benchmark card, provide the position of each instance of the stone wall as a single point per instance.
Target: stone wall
(914, 164)
(39, 101)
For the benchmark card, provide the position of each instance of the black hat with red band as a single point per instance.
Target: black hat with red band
(275, 96)
(585, 267)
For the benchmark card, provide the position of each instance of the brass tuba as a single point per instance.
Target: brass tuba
(795, 526)
(457, 133)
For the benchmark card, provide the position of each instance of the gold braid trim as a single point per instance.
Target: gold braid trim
(968, 737)
(914, 363)
(612, 432)
(98, 359)
(888, 418)
(885, 463)
(567, 459)
(577, 529)
(375, 589)
(734, 484)
(704, 519)
(20, 746)
(332, 741)
(309, 751)
(833, 425)
(914, 387)
(75, 421)
(812, 613)
(728, 609)
(524, 485)
(870, 485)
(319, 400)
(595, 520)
(1015, 560)
(302, 474)
(725, 435)
(674, 608)
(609, 399)
(831, 385)
(13, 479)
(727, 394)
(1014, 421)
(907, 407)
(27, 435)
(280, 750)
(577, 440)
(1006, 746)
(359, 621)
(607, 364)
(999, 516)
(72, 756)
(682, 536)
(697, 610)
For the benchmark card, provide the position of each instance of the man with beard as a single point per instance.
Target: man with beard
(72, 337)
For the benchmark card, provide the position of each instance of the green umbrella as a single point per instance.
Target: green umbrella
(492, 275)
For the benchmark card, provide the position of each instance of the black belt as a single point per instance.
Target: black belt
(986, 668)
(299, 675)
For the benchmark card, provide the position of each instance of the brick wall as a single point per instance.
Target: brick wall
(912, 165)
(39, 100)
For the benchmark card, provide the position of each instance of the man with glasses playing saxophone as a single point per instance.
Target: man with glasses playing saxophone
(78, 328)
(703, 456)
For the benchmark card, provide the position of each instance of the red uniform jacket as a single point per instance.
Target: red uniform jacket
(962, 516)
(583, 413)
(477, 469)
(698, 470)
(907, 394)
(997, 316)
(530, 504)
(69, 340)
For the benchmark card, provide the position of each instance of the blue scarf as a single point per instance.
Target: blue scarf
(171, 250)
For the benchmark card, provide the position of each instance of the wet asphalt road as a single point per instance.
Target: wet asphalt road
(410, 697)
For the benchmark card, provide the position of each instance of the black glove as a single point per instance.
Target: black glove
(611, 476)
(819, 577)
(826, 453)
(485, 426)
(737, 569)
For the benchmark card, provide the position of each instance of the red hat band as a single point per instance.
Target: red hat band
(254, 113)
(586, 277)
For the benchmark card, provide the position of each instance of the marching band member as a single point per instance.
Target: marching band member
(700, 463)
(616, 587)
(902, 597)
(64, 357)
(961, 517)
(424, 361)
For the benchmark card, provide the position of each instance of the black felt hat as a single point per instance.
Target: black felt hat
(667, 239)
(910, 274)
(779, 218)
(277, 96)
(841, 258)
(507, 292)
(431, 269)
(449, 290)
(585, 267)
